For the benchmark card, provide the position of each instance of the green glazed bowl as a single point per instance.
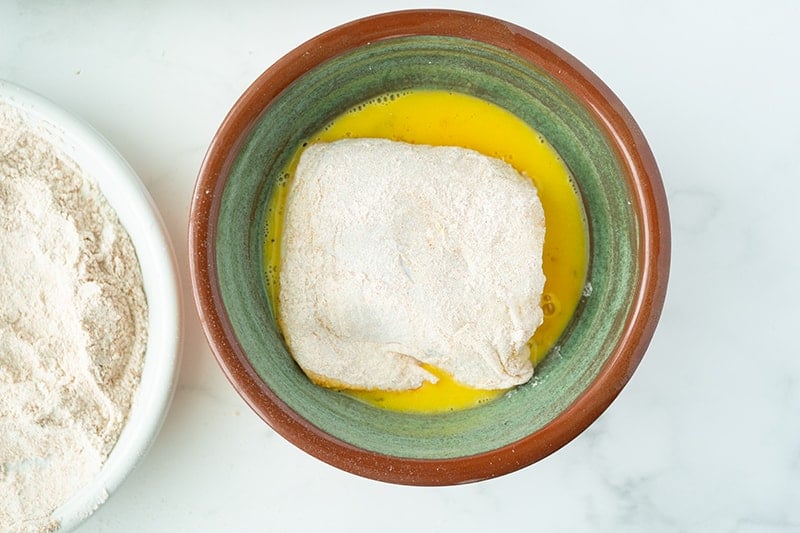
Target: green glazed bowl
(518, 70)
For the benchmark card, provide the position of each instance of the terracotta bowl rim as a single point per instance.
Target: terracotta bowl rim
(634, 155)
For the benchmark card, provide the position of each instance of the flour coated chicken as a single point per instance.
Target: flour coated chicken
(395, 256)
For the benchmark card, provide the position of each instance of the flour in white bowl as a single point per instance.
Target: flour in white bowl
(73, 326)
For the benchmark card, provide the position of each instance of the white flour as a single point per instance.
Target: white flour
(72, 327)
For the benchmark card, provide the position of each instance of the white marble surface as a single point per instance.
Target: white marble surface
(706, 437)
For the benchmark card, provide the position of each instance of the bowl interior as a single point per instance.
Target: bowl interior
(481, 70)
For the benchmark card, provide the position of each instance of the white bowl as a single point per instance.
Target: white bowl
(138, 214)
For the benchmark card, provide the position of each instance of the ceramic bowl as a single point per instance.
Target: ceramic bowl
(127, 195)
(554, 93)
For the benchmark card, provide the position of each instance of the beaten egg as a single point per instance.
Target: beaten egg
(453, 119)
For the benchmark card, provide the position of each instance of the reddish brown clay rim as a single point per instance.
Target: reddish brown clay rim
(649, 198)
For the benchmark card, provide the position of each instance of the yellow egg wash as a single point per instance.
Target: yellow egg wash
(454, 119)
